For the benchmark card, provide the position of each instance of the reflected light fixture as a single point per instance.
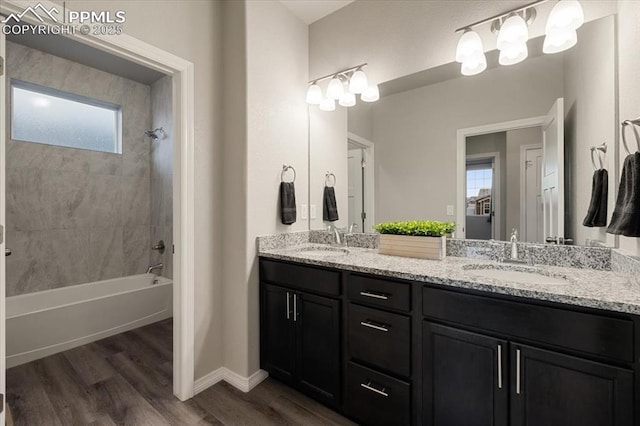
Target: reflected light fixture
(356, 82)
(513, 33)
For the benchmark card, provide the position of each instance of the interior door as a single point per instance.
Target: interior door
(533, 231)
(553, 172)
(3, 269)
(355, 189)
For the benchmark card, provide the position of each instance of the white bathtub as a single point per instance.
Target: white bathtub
(44, 323)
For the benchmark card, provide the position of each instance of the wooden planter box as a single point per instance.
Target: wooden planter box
(408, 246)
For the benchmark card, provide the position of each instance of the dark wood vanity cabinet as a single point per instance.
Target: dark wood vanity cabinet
(300, 331)
(492, 377)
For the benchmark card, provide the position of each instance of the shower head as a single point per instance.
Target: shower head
(154, 134)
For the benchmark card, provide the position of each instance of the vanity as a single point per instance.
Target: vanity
(388, 340)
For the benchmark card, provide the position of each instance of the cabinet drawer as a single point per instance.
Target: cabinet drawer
(380, 292)
(380, 338)
(300, 277)
(377, 399)
(600, 335)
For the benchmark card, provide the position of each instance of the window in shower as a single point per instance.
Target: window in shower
(44, 115)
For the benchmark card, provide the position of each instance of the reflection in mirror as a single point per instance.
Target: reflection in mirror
(427, 167)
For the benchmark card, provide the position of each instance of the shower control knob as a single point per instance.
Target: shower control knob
(7, 252)
(159, 247)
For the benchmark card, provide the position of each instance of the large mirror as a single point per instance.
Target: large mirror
(507, 149)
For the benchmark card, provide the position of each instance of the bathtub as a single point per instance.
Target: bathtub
(46, 322)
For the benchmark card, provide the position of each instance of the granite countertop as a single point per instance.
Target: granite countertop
(613, 291)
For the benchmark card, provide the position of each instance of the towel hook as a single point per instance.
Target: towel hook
(597, 149)
(286, 167)
(631, 123)
(327, 179)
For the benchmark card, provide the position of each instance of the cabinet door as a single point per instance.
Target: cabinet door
(277, 332)
(552, 389)
(318, 346)
(465, 379)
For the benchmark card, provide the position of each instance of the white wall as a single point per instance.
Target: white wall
(415, 132)
(590, 120)
(193, 31)
(628, 82)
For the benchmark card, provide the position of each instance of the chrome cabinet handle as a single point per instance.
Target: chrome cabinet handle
(499, 366)
(295, 307)
(288, 309)
(374, 295)
(372, 389)
(518, 371)
(7, 252)
(379, 327)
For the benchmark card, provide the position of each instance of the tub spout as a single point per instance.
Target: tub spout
(154, 267)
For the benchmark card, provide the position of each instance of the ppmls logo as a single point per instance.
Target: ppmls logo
(34, 11)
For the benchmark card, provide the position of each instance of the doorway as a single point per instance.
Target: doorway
(361, 198)
(483, 196)
(531, 211)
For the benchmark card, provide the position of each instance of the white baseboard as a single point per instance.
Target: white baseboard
(245, 384)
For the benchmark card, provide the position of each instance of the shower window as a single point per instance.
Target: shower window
(44, 115)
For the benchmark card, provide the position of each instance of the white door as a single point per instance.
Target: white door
(355, 189)
(532, 227)
(3, 269)
(553, 172)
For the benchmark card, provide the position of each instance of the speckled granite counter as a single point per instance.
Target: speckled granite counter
(591, 288)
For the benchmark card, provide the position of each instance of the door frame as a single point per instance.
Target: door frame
(461, 164)
(496, 220)
(182, 73)
(523, 175)
(3, 264)
(368, 153)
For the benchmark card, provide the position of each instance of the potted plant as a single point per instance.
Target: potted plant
(424, 239)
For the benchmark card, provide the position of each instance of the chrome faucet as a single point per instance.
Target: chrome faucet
(154, 267)
(514, 248)
(336, 232)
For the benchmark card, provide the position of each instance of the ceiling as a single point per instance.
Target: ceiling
(312, 10)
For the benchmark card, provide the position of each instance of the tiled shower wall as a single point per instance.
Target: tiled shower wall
(77, 216)
(162, 174)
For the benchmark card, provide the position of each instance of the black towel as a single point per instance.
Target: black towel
(287, 203)
(626, 216)
(597, 212)
(329, 205)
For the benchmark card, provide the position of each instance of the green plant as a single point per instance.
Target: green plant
(420, 228)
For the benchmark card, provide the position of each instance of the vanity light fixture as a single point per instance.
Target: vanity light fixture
(513, 33)
(356, 81)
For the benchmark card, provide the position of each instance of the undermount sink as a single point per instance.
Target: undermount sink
(519, 274)
(321, 250)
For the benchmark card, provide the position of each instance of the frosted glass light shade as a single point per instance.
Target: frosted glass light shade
(558, 40)
(347, 99)
(314, 94)
(358, 82)
(513, 53)
(474, 65)
(328, 104)
(513, 31)
(566, 14)
(469, 46)
(372, 94)
(335, 88)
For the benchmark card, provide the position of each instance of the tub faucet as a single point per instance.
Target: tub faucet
(154, 267)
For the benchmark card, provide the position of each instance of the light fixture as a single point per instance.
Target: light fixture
(358, 82)
(565, 18)
(513, 33)
(372, 94)
(314, 94)
(328, 104)
(470, 53)
(336, 91)
(347, 99)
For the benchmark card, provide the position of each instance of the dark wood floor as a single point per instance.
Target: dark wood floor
(126, 380)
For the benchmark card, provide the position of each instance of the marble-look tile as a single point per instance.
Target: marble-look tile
(136, 249)
(43, 260)
(106, 201)
(136, 201)
(104, 163)
(157, 201)
(105, 253)
(27, 202)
